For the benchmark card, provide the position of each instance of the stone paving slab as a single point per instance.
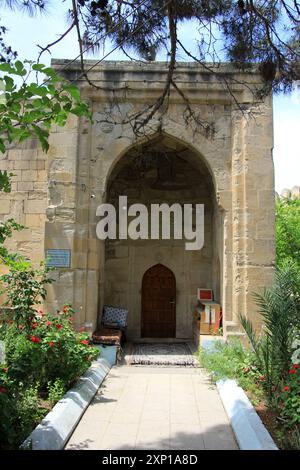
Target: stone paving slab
(154, 408)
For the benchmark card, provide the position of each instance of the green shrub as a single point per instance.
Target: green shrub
(56, 391)
(19, 414)
(25, 288)
(288, 232)
(231, 360)
(42, 362)
(290, 398)
(50, 349)
(279, 307)
(25, 360)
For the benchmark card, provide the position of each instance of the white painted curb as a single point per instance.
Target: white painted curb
(249, 430)
(56, 428)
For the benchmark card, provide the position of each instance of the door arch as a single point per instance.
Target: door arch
(158, 303)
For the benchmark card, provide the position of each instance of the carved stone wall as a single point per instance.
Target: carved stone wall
(85, 161)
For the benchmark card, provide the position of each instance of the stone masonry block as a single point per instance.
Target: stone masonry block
(25, 186)
(29, 175)
(4, 206)
(21, 165)
(35, 206)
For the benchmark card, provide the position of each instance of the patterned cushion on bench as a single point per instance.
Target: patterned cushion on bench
(107, 336)
(114, 316)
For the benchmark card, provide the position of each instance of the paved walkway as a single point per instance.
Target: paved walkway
(154, 408)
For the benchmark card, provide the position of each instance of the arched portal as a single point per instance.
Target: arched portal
(161, 171)
(158, 315)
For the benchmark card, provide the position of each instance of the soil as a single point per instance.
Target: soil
(45, 404)
(270, 420)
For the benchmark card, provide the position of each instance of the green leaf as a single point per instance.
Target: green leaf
(20, 68)
(4, 185)
(42, 136)
(7, 68)
(38, 67)
(9, 83)
(2, 148)
(74, 91)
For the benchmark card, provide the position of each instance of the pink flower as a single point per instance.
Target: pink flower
(49, 323)
(51, 344)
(84, 341)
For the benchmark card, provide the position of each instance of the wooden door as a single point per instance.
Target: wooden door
(158, 303)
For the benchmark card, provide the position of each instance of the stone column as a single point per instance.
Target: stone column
(259, 205)
(60, 225)
(252, 218)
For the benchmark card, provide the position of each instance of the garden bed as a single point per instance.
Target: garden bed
(231, 360)
(44, 356)
(56, 428)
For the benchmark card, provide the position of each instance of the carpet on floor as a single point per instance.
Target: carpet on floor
(163, 354)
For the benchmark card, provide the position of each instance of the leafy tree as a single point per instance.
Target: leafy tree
(244, 32)
(249, 33)
(288, 231)
(29, 110)
(33, 97)
(238, 31)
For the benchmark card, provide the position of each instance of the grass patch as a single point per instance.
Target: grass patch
(232, 361)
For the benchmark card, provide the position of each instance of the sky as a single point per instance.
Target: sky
(25, 34)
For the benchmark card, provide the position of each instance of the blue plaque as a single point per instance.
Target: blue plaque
(58, 258)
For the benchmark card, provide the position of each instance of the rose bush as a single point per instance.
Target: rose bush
(290, 398)
(43, 360)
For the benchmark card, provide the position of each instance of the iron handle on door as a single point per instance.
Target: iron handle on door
(172, 301)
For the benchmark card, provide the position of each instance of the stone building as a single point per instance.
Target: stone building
(56, 195)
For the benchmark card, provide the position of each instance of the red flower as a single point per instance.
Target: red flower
(33, 326)
(84, 341)
(49, 323)
(51, 344)
(262, 378)
(295, 366)
(58, 326)
(35, 339)
(5, 369)
(3, 390)
(292, 371)
(81, 329)
(286, 388)
(66, 309)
